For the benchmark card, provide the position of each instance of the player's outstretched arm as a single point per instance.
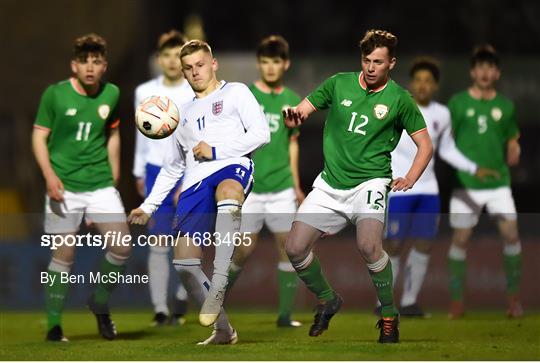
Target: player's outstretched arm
(449, 152)
(295, 116)
(55, 187)
(138, 216)
(421, 160)
(171, 171)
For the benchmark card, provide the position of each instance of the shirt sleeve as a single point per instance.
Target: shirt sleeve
(321, 98)
(172, 170)
(141, 146)
(46, 113)
(409, 115)
(257, 130)
(449, 152)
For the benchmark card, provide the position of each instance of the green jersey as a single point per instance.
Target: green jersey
(362, 127)
(77, 141)
(272, 164)
(481, 130)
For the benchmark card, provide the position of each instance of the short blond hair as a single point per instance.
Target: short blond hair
(194, 46)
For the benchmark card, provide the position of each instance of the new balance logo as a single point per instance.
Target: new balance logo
(346, 103)
(71, 112)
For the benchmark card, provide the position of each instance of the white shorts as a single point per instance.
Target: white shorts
(100, 206)
(275, 209)
(466, 205)
(330, 210)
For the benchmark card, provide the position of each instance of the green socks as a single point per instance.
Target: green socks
(109, 264)
(287, 285)
(383, 281)
(513, 264)
(55, 296)
(311, 273)
(457, 267)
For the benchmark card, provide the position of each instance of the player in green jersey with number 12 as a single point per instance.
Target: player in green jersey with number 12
(367, 112)
(276, 190)
(76, 143)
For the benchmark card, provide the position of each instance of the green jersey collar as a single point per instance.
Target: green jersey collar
(363, 84)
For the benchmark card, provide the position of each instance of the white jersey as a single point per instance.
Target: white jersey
(230, 120)
(151, 151)
(439, 126)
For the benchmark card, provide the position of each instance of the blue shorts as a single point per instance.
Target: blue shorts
(197, 208)
(162, 220)
(415, 216)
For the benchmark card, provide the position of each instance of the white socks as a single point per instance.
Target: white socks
(415, 272)
(228, 221)
(197, 286)
(158, 274)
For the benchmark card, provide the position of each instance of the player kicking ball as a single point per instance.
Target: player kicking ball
(209, 149)
(76, 142)
(277, 190)
(367, 112)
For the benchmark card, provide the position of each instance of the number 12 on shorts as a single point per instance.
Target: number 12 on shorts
(377, 199)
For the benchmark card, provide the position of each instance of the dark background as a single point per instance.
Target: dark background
(37, 38)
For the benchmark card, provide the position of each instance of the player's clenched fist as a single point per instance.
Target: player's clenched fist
(202, 151)
(137, 216)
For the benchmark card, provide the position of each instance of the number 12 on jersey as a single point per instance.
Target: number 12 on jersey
(358, 128)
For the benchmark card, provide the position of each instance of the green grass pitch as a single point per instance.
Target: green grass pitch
(352, 336)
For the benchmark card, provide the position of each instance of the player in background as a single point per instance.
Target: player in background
(485, 130)
(76, 142)
(149, 156)
(367, 112)
(276, 190)
(415, 214)
(210, 148)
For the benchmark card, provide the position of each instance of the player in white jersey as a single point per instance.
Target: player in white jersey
(149, 155)
(415, 215)
(210, 150)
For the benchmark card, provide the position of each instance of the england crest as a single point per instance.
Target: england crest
(217, 107)
(380, 111)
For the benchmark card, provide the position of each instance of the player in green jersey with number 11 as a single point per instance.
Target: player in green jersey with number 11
(367, 112)
(76, 142)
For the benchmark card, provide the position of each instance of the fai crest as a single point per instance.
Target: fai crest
(217, 107)
(380, 111)
(496, 113)
(104, 111)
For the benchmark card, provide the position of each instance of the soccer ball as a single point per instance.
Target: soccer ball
(156, 117)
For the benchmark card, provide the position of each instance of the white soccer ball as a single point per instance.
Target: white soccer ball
(156, 117)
